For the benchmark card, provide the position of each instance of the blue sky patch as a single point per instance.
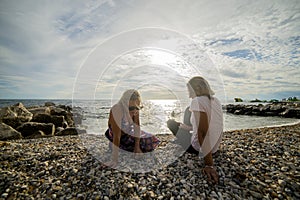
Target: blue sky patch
(244, 54)
(225, 41)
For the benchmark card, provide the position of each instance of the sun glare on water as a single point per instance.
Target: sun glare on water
(156, 113)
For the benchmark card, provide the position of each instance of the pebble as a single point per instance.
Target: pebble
(129, 185)
(252, 164)
(284, 168)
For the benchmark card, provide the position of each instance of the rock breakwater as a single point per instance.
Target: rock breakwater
(18, 122)
(280, 109)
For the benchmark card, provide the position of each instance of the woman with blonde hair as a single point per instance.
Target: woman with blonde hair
(206, 125)
(124, 128)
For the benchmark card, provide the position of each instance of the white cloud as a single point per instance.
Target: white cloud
(248, 42)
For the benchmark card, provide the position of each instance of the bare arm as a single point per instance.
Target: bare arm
(202, 131)
(203, 125)
(137, 133)
(115, 118)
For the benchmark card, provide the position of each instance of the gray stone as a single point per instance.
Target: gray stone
(8, 133)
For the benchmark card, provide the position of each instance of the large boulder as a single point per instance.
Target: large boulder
(20, 110)
(65, 107)
(8, 133)
(30, 128)
(6, 112)
(277, 108)
(264, 110)
(15, 115)
(291, 112)
(58, 121)
(58, 111)
(15, 121)
(62, 112)
(39, 110)
(49, 103)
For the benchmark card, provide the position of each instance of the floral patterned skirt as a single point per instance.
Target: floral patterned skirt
(148, 142)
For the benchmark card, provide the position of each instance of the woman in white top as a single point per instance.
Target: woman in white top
(206, 125)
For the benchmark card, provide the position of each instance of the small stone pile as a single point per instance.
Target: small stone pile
(18, 122)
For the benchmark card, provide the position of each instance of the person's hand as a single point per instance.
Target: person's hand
(138, 153)
(211, 173)
(111, 164)
(185, 127)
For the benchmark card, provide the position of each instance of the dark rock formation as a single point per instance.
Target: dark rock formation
(17, 121)
(58, 121)
(29, 128)
(62, 112)
(49, 104)
(280, 109)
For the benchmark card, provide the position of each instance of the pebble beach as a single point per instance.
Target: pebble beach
(260, 163)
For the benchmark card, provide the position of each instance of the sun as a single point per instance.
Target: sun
(162, 57)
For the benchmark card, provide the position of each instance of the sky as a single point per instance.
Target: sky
(98, 49)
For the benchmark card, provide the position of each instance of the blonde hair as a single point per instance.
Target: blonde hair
(200, 87)
(129, 95)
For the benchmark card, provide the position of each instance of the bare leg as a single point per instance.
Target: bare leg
(183, 136)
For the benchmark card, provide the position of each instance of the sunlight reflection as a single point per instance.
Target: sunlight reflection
(156, 113)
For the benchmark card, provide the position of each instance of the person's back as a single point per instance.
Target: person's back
(213, 108)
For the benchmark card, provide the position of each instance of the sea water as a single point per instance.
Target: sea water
(153, 116)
